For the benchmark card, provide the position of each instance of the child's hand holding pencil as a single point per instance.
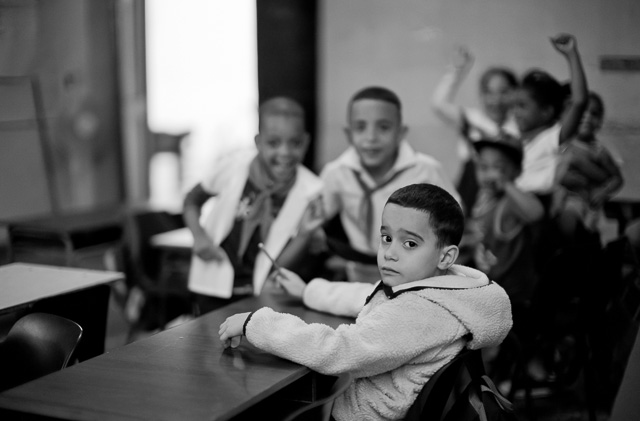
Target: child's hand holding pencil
(284, 278)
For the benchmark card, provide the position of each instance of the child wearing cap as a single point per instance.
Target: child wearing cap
(500, 227)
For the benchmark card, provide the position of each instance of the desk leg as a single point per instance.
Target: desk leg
(89, 309)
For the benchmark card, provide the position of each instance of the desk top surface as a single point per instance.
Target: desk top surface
(176, 239)
(24, 283)
(179, 374)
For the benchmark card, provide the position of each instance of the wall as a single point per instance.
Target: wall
(68, 47)
(406, 44)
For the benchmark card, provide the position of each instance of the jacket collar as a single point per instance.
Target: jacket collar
(458, 277)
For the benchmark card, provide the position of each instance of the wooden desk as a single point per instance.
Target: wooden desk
(179, 374)
(78, 294)
(176, 239)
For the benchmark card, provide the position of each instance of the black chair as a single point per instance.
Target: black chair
(320, 409)
(447, 394)
(37, 344)
(161, 275)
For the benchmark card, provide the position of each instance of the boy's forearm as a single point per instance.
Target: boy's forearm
(579, 88)
(192, 206)
(526, 205)
(579, 97)
(444, 94)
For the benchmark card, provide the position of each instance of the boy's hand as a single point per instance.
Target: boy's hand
(231, 330)
(204, 248)
(564, 43)
(291, 282)
(463, 59)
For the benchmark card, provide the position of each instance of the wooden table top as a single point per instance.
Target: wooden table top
(179, 374)
(176, 239)
(24, 283)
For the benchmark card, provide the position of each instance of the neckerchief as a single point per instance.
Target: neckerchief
(366, 206)
(261, 212)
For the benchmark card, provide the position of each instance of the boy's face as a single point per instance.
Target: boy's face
(528, 114)
(496, 97)
(591, 120)
(282, 143)
(375, 131)
(408, 248)
(494, 169)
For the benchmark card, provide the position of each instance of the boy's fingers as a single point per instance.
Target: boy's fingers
(235, 341)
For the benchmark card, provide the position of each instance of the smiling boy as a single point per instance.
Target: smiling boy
(261, 194)
(421, 314)
(378, 161)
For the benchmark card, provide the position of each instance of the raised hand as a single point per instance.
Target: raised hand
(564, 43)
(463, 59)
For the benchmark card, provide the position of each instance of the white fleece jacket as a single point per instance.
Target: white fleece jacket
(400, 338)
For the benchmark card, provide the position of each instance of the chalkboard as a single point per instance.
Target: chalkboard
(24, 175)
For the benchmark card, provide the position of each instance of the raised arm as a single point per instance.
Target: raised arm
(444, 94)
(567, 46)
(203, 246)
(525, 205)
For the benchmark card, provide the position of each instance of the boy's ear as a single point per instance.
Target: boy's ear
(256, 139)
(306, 140)
(403, 132)
(347, 133)
(448, 257)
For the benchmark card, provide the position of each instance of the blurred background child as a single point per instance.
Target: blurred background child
(588, 175)
(378, 161)
(493, 118)
(538, 111)
(501, 221)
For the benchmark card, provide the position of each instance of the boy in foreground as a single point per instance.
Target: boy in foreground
(422, 313)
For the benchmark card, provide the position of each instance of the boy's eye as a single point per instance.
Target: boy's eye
(273, 143)
(295, 143)
(410, 244)
(385, 238)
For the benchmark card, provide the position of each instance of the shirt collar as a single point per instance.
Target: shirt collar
(458, 277)
(406, 158)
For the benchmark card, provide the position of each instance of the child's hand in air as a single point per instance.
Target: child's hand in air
(463, 59)
(291, 282)
(564, 43)
(231, 330)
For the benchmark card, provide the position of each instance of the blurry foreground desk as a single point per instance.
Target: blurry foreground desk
(78, 294)
(181, 373)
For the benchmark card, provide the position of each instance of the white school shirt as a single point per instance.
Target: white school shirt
(540, 160)
(215, 277)
(343, 194)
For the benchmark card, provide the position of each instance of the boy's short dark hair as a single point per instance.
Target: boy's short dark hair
(281, 106)
(507, 145)
(545, 90)
(445, 214)
(378, 93)
(507, 74)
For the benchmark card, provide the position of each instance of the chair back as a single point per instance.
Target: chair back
(321, 408)
(37, 344)
(432, 399)
(461, 391)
